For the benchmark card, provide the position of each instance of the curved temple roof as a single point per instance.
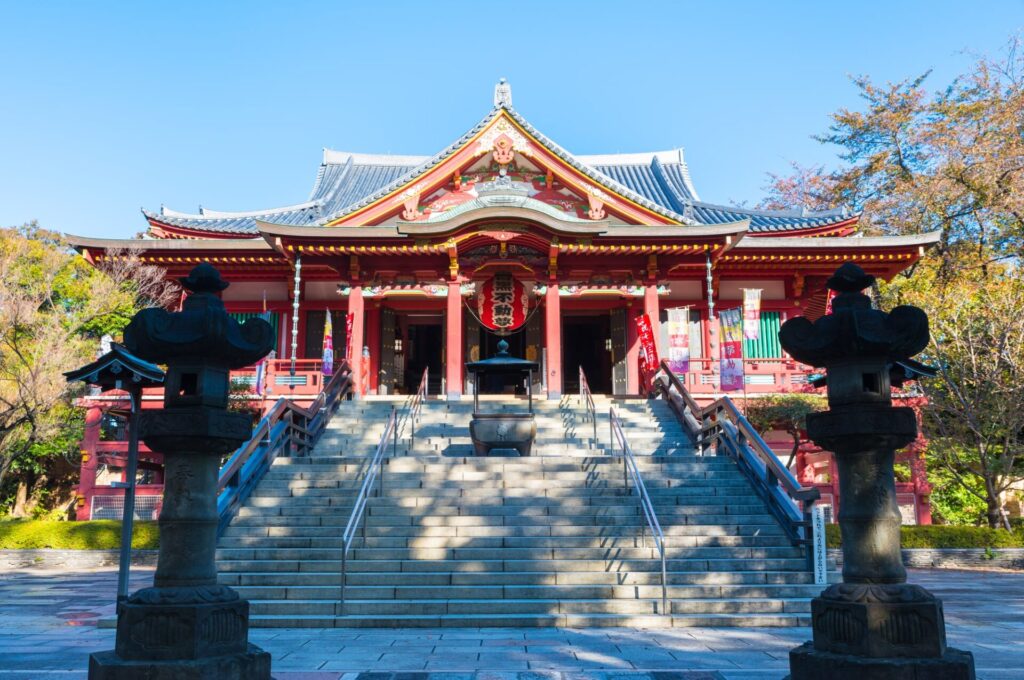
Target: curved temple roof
(345, 182)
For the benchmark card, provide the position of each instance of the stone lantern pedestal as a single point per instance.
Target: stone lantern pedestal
(873, 625)
(186, 626)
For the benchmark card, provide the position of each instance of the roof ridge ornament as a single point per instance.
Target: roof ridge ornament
(502, 95)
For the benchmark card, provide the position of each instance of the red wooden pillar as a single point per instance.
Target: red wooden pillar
(355, 343)
(87, 474)
(553, 340)
(453, 342)
(632, 352)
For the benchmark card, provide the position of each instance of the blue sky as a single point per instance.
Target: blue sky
(106, 107)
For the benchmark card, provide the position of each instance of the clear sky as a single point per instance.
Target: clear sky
(106, 107)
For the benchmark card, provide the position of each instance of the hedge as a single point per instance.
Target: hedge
(944, 536)
(101, 534)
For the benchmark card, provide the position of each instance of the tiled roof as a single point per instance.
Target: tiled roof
(660, 181)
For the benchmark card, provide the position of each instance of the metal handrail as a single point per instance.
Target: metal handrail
(415, 405)
(631, 470)
(375, 470)
(722, 425)
(587, 399)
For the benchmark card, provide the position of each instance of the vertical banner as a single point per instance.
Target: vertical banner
(644, 332)
(328, 355)
(261, 367)
(751, 313)
(679, 340)
(349, 320)
(829, 296)
(730, 321)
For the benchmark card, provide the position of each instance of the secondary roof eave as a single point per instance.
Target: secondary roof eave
(234, 244)
(925, 240)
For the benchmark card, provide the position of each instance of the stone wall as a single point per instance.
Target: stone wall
(954, 558)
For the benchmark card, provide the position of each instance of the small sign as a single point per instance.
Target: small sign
(818, 542)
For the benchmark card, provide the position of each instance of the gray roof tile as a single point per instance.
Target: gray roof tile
(346, 182)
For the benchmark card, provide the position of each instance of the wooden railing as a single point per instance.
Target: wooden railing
(762, 376)
(722, 426)
(287, 428)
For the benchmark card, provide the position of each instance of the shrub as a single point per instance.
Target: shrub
(936, 536)
(104, 534)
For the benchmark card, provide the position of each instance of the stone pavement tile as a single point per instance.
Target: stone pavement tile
(642, 653)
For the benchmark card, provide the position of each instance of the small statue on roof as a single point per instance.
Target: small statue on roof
(503, 94)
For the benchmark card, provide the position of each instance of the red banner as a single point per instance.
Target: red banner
(502, 303)
(349, 320)
(649, 349)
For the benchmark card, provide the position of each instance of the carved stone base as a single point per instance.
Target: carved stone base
(159, 627)
(878, 621)
(808, 663)
(183, 633)
(252, 664)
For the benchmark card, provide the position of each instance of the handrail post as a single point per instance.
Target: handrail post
(344, 550)
(394, 445)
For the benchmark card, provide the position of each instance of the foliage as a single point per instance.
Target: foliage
(786, 412)
(101, 534)
(950, 161)
(54, 307)
(940, 536)
(951, 502)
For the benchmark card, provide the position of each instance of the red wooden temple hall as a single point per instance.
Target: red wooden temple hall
(405, 253)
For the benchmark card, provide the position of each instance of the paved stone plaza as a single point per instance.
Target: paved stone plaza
(48, 627)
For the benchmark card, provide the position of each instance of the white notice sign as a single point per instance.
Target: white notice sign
(818, 542)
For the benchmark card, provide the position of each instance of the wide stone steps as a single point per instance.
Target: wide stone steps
(512, 605)
(554, 539)
(332, 578)
(740, 546)
(532, 621)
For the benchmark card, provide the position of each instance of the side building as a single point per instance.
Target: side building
(406, 253)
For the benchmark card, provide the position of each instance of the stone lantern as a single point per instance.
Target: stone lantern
(873, 624)
(186, 625)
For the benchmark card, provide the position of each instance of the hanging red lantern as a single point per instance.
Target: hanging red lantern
(502, 303)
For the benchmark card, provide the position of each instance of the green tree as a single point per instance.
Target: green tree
(54, 307)
(786, 412)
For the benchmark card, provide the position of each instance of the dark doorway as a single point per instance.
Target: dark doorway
(424, 348)
(585, 345)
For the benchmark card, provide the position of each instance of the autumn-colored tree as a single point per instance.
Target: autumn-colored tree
(54, 307)
(951, 161)
(916, 161)
(786, 412)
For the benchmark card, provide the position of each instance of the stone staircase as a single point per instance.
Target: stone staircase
(550, 540)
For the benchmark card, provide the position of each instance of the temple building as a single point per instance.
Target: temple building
(419, 259)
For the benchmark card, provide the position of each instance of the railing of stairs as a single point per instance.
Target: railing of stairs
(587, 399)
(286, 428)
(632, 471)
(721, 425)
(373, 472)
(415, 404)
